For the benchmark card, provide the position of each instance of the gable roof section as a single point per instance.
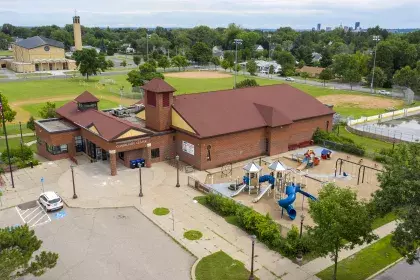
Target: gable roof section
(158, 85)
(222, 112)
(106, 125)
(86, 97)
(38, 41)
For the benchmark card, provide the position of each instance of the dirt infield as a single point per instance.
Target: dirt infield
(360, 101)
(199, 75)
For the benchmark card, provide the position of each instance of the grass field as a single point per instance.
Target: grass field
(34, 109)
(15, 143)
(370, 144)
(221, 266)
(33, 75)
(364, 263)
(5, 52)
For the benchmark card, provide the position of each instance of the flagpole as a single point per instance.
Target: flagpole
(7, 142)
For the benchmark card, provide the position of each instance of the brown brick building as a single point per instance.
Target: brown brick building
(205, 129)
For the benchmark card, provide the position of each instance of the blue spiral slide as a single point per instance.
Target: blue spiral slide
(287, 203)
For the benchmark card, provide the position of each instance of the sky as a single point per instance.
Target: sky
(269, 14)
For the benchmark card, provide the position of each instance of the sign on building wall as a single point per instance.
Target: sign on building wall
(188, 148)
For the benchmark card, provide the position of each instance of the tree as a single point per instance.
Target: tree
(31, 123)
(287, 62)
(109, 63)
(89, 62)
(304, 75)
(326, 75)
(216, 61)
(201, 53)
(400, 191)
(145, 73)
(338, 215)
(379, 78)
(179, 61)
(48, 111)
(123, 63)
(225, 64)
(9, 114)
(164, 62)
(247, 83)
(271, 70)
(352, 76)
(407, 77)
(251, 67)
(136, 59)
(17, 249)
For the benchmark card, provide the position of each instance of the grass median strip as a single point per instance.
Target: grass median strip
(364, 263)
(221, 266)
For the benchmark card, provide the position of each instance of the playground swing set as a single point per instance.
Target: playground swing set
(361, 172)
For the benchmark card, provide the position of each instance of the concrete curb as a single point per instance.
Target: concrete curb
(193, 269)
(385, 268)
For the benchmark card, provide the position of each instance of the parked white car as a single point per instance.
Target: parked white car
(384, 92)
(50, 201)
(290, 79)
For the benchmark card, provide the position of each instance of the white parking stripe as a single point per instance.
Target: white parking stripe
(17, 209)
(40, 212)
(37, 214)
(45, 214)
(30, 213)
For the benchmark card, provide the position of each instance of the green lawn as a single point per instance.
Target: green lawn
(221, 266)
(34, 109)
(5, 52)
(15, 143)
(3, 77)
(33, 75)
(378, 222)
(14, 129)
(364, 263)
(371, 145)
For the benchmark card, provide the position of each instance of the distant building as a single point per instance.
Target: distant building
(328, 28)
(357, 25)
(346, 28)
(259, 48)
(318, 27)
(316, 57)
(218, 52)
(313, 71)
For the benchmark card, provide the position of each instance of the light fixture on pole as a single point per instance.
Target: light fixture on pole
(74, 186)
(376, 39)
(251, 276)
(237, 42)
(177, 171)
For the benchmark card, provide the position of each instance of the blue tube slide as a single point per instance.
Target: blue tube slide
(287, 203)
(262, 179)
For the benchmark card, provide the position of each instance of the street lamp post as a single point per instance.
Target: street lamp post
(237, 42)
(147, 46)
(376, 39)
(177, 171)
(141, 186)
(299, 256)
(302, 217)
(251, 276)
(74, 186)
(269, 46)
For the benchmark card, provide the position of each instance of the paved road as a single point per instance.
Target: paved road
(401, 271)
(106, 244)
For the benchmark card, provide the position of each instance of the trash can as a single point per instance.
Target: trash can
(133, 164)
(140, 162)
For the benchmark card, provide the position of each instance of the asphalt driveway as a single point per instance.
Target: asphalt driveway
(106, 244)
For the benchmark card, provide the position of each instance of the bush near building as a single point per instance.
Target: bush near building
(20, 156)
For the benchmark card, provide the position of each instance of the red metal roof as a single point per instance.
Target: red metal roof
(86, 97)
(227, 111)
(158, 85)
(108, 126)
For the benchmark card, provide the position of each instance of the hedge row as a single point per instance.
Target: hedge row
(262, 226)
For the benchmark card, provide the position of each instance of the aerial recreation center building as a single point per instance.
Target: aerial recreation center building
(206, 130)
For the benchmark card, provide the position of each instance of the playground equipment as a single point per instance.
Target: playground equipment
(287, 203)
(309, 160)
(326, 154)
(362, 169)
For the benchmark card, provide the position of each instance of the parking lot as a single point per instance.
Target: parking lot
(103, 243)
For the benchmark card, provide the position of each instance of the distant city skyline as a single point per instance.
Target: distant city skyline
(264, 14)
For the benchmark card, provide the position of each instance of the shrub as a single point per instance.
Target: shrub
(18, 154)
(161, 211)
(193, 235)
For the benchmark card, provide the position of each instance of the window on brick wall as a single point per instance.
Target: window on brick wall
(208, 152)
(267, 144)
(165, 100)
(151, 98)
(56, 150)
(155, 153)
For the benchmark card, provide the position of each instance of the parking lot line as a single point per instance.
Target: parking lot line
(40, 212)
(34, 215)
(29, 214)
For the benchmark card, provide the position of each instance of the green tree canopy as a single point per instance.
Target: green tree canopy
(9, 114)
(326, 75)
(164, 62)
(338, 215)
(247, 83)
(18, 244)
(89, 62)
(225, 64)
(251, 67)
(201, 53)
(409, 78)
(352, 76)
(379, 78)
(179, 61)
(31, 123)
(48, 111)
(145, 73)
(400, 191)
(305, 75)
(136, 59)
(216, 61)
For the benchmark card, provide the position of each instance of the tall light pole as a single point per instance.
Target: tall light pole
(74, 186)
(376, 39)
(269, 46)
(177, 171)
(251, 276)
(299, 255)
(147, 46)
(141, 185)
(237, 42)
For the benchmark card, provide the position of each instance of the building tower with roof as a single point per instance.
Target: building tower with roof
(77, 32)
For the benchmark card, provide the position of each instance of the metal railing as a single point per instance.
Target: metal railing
(383, 134)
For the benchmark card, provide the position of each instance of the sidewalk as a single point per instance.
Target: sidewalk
(96, 189)
(17, 135)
